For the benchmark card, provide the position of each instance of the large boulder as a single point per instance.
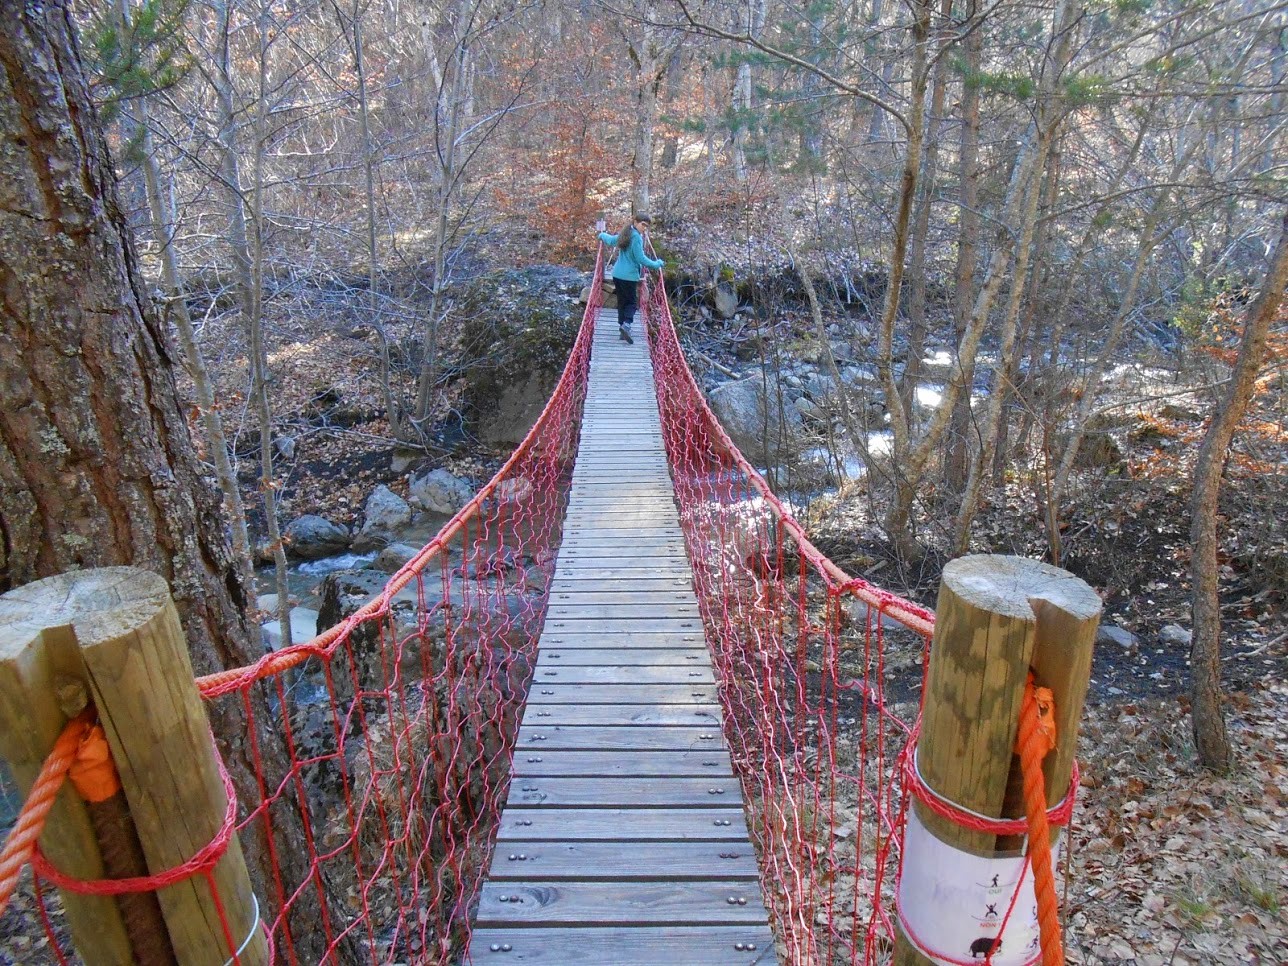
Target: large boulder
(519, 327)
(438, 491)
(391, 559)
(386, 512)
(725, 299)
(312, 537)
(750, 419)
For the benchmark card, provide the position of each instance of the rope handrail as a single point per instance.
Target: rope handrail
(912, 616)
(21, 848)
(398, 740)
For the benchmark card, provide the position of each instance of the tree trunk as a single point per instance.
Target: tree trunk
(1210, 735)
(921, 228)
(956, 449)
(96, 459)
(97, 466)
(247, 250)
(649, 75)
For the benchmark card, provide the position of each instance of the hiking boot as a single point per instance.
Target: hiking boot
(624, 333)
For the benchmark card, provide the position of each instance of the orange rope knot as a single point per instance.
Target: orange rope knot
(93, 773)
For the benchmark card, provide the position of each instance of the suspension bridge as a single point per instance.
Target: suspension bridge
(619, 710)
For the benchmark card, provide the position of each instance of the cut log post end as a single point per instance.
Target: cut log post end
(113, 636)
(997, 619)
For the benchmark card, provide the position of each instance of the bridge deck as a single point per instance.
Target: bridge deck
(623, 841)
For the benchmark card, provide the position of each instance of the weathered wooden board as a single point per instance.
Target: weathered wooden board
(621, 903)
(746, 945)
(556, 656)
(642, 861)
(623, 793)
(600, 596)
(596, 640)
(550, 692)
(681, 576)
(625, 626)
(712, 764)
(622, 825)
(614, 738)
(707, 715)
(577, 611)
(599, 674)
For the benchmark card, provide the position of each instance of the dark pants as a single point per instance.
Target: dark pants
(628, 294)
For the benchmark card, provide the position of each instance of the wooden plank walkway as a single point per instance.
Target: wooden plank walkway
(623, 841)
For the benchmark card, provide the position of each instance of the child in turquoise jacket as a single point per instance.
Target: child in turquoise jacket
(631, 260)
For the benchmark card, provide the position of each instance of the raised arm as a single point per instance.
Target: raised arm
(637, 249)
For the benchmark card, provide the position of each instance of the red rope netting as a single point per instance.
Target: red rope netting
(382, 747)
(803, 654)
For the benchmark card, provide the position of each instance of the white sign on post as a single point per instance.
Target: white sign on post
(953, 903)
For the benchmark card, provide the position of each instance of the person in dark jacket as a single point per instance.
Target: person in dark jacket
(631, 261)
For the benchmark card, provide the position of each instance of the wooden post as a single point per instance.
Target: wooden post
(116, 631)
(996, 618)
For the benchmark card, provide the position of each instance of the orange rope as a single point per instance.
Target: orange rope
(1037, 737)
(21, 844)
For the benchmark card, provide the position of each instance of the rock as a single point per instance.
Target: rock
(386, 510)
(404, 459)
(391, 559)
(304, 627)
(748, 418)
(438, 491)
(1117, 635)
(1176, 635)
(312, 537)
(806, 407)
(842, 352)
(1179, 413)
(519, 325)
(725, 298)
(385, 513)
(819, 386)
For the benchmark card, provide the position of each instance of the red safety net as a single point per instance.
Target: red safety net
(803, 654)
(381, 749)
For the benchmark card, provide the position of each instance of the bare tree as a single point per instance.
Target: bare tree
(1210, 736)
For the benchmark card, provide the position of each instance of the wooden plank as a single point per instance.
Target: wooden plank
(568, 693)
(557, 656)
(557, 637)
(676, 576)
(620, 626)
(669, 559)
(623, 675)
(623, 793)
(620, 903)
(606, 543)
(713, 763)
(627, 946)
(595, 594)
(707, 715)
(615, 738)
(577, 611)
(622, 825)
(640, 861)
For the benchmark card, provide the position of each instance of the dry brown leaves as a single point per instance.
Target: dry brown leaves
(1171, 864)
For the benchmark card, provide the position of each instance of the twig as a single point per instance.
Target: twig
(723, 370)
